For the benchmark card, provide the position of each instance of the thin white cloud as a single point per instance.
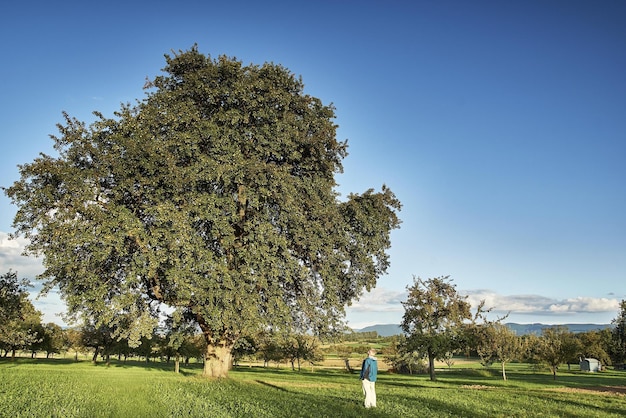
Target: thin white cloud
(541, 305)
(380, 300)
(384, 306)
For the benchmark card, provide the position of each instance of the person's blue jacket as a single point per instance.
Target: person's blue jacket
(369, 369)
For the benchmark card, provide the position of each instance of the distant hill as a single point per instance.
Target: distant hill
(387, 330)
(524, 329)
(384, 330)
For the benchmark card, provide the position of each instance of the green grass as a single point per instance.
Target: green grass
(62, 388)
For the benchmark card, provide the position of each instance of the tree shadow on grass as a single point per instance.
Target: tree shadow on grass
(271, 385)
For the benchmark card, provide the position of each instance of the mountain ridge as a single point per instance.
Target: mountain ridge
(387, 330)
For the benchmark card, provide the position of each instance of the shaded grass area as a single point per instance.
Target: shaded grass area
(62, 388)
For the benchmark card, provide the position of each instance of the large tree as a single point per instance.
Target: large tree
(433, 320)
(214, 195)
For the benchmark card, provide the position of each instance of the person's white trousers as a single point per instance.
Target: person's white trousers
(369, 389)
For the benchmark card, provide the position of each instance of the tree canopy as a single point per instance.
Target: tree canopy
(214, 195)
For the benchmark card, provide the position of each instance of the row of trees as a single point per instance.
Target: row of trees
(495, 343)
(21, 330)
(440, 337)
(438, 323)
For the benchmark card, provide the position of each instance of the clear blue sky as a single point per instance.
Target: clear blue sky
(500, 125)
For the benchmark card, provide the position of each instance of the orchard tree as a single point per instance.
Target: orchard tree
(268, 348)
(18, 317)
(216, 196)
(618, 333)
(433, 321)
(299, 347)
(178, 334)
(497, 342)
(595, 344)
(12, 293)
(99, 338)
(73, 341)
(244, 347)
(52, 339)
(556, 346)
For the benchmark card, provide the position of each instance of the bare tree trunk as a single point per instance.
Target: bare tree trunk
(177, 364)
(503, 372)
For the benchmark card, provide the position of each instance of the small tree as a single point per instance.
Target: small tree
(556, 345)
(244, 347)
(52, 339)
(433, 319)
(485, 344)
(177, 335)
(409, 360)
(344, 352)
(73, 341)
(19, 319)
(98, 338)
(594, 344)
(269, 348)
(299, 347)
(618, 346)
(508, 346)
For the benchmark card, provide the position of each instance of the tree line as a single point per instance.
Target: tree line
(489, 340)
(439, 323)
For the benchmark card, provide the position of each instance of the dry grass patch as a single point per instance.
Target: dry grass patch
(594, 390)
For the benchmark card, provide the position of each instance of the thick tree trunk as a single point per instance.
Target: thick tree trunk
(177, 364)
(218, 359)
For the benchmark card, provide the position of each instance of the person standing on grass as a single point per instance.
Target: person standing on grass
(369, 371)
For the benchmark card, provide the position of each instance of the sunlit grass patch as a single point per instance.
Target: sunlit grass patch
(56, 388)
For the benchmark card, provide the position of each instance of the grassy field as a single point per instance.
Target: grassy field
(63, 388)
